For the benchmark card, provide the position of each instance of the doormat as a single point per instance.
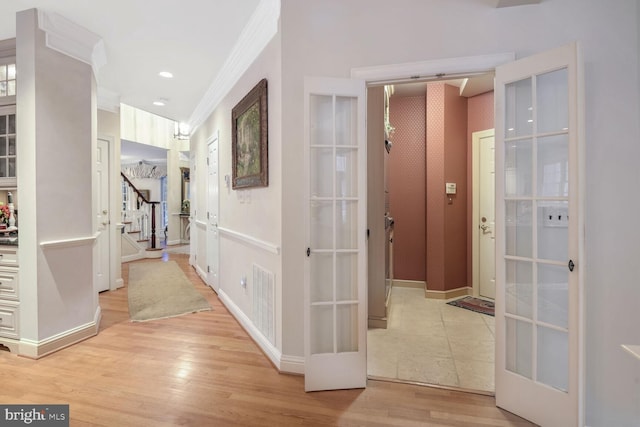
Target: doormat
(474, 304)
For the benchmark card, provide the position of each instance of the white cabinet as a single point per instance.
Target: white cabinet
(9, 298)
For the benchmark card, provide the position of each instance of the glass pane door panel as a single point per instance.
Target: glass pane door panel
(347, 172)
(519, 288)
(322, 225)
(347, 276)
(346, 120)
(553, 166)
(12, 146)
(321, 277)
(518, 177)
(552, 92)
(322, 328)
(3, 145)
(3, 125)
(11, 88)
(3, 168)
(321, 120)
(553, 358)
(518, 223)
(553, 230)
(12, 123)
(3, 88)
(3, 72)
(346, 221)
(12, 167)
(347, 333)
(321, 166)
(519, 347)
(519, 108)
(553, 295)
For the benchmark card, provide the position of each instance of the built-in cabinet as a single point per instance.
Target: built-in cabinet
(9, 298)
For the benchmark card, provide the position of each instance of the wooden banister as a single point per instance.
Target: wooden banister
(144, 200)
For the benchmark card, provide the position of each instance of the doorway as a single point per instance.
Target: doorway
(426, 340)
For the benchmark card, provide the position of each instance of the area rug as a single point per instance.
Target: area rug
(158, 290)
(474, 304)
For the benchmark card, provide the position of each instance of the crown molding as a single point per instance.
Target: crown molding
(108, 100)
(73, 40)
(255, 36)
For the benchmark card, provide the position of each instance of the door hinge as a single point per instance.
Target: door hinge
(208, 269)
(571, 265)
(308, 251)
(207, 215)
(207, 161)
(368, 233)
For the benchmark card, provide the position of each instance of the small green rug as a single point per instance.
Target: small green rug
(158, 290)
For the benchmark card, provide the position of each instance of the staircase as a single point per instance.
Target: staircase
(139, 219)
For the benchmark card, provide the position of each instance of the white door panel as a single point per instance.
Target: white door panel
(212, 214)
(538, 217)
(102, 215)
(335, 279)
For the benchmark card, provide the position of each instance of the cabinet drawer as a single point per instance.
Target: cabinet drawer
(8, 257)
(9, 283)
(9, 321)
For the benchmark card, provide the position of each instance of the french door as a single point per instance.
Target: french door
(538, 244)
(335, 268)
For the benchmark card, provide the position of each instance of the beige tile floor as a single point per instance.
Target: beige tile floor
(430, 342)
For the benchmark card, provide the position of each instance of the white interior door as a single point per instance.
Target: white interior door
(102, 215)
(335, 283)
(538, 299)
(212, 215)
(487, 218)
(193, 230)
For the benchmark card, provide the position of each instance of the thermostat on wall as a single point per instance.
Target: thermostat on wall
(450, 187)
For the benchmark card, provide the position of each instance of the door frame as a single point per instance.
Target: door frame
(433, 70)
(475, 206)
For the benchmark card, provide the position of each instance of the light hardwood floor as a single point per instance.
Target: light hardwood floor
(203, 370)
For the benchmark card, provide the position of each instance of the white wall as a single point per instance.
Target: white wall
(253, 212)
(329, 37)
(55, 164)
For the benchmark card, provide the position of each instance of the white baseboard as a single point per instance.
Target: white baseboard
(269, 349)
(38, 349)
(451, 293)
(201, 273)
(174, 242)
(410, 284)
(117, 284)
(134, 257)
(292, 364)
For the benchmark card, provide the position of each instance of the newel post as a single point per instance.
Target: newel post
(153, 225)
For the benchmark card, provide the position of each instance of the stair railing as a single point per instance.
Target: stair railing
(138, 213)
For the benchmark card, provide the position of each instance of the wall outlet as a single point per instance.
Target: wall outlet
(555, 216)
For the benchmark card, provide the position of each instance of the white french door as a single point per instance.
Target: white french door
(335, 312)
(538, 244)
(213, 240)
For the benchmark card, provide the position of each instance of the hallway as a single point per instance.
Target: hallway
(429, 341)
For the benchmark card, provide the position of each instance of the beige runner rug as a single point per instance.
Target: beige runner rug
(158, 290)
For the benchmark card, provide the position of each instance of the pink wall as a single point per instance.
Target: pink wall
(480, 117)
(406, 183)
(455, 210)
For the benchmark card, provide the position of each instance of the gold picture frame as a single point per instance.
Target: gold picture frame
(249, 139)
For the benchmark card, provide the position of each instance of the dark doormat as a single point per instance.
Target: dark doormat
(474, 304)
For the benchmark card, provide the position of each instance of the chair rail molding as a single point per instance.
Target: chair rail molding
(245, 238)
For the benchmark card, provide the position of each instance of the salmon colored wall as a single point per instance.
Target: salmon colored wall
(455, 170)
(407, 186)
(435, 251)
(480, 117)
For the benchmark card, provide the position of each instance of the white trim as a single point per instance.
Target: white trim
(201, 224)
(73, 40)
(423, 70)
(269, 349)
(37, 349)
(292, 364)
(108, 100)
(245, 238)
(255, 36)
(69, 243)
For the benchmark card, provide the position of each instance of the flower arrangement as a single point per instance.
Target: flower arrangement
(4, 214)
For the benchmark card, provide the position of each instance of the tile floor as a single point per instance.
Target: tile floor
(428, 341)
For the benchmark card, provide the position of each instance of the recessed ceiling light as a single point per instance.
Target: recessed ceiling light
(159, 103)
(165, 74)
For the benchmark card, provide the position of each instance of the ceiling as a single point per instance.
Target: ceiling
(189, 38)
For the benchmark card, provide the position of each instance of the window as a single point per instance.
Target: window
(7, 80)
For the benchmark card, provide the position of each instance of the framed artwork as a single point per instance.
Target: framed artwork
(249, 139)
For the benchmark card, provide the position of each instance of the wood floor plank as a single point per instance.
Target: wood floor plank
(203, 369)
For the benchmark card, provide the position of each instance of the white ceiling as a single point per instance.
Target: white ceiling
(189, 38)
